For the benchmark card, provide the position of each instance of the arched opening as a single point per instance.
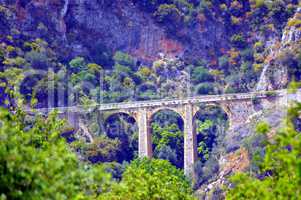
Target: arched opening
(210, 126)
(167, 136)
(123, 128)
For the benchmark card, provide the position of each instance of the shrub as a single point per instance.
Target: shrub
(151, 179)
(235, 20)
(258, 3)
(145, 71)
(77, 63)
(168, 13)
(238, 40)
(123, 59)
(271, 94)
(263, 128)
(257, 67)
(94, 68)
(294, 22)
(15, 62)
(200, 74)
(247, 54)
(102, 149)
(258, 46)
(246, 66)
(205, 88)
(205, 171)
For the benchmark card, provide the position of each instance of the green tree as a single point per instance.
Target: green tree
(168, 143)
(200, 74)
(152, 179)
(36, 163)
(280, 167)
(77, 63)
(123, 59)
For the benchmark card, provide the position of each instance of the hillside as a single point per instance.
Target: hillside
(60, 53)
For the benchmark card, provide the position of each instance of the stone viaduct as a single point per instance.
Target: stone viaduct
(239, 107)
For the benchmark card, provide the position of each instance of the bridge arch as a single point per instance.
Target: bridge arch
(130, 113)
(124, 127)
(209, 125)
(167, 135)
(165, 108)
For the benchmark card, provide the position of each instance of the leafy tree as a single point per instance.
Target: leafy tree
(279, 173)
(35, 162)
(168, 13)
(202, 146)
(147, 179)
(102, 149)
(200, 74)
(168, 136)
(123, 59)
(77, 64)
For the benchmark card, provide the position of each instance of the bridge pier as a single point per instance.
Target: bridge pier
(190, 140)
(144, 139)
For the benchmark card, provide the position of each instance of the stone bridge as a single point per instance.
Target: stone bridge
(239, 108)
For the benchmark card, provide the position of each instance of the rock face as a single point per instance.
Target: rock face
(275, 73)
(88, 27)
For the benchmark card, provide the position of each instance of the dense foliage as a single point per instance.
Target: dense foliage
(36, 162)
(151, 179)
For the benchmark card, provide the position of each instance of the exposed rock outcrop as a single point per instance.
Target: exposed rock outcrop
(88, 27)
(275, 73)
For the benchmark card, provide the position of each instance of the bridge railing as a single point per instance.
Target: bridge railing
(149, 103)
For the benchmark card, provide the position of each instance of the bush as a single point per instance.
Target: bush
(200, 74)
(238, 40)
(294, 22)
(247, 54)
(168, 13)
(205, 88)
(271, 94)
(263, 128)
(102, 149)
(77, 63)
(258, 46)
(151, 179)
(257, 67)
(123, 59)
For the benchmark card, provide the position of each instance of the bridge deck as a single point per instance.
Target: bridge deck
(165, 102)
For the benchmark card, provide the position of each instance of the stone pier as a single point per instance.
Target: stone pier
(190, 140)
(144, 143)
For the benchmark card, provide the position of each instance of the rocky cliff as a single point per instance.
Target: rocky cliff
(279, 69)
(89, 27)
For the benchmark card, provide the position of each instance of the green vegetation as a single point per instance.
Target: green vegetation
(279, 168)
(168, 137)
(222, 48)
(37, 163)
(151, 179)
